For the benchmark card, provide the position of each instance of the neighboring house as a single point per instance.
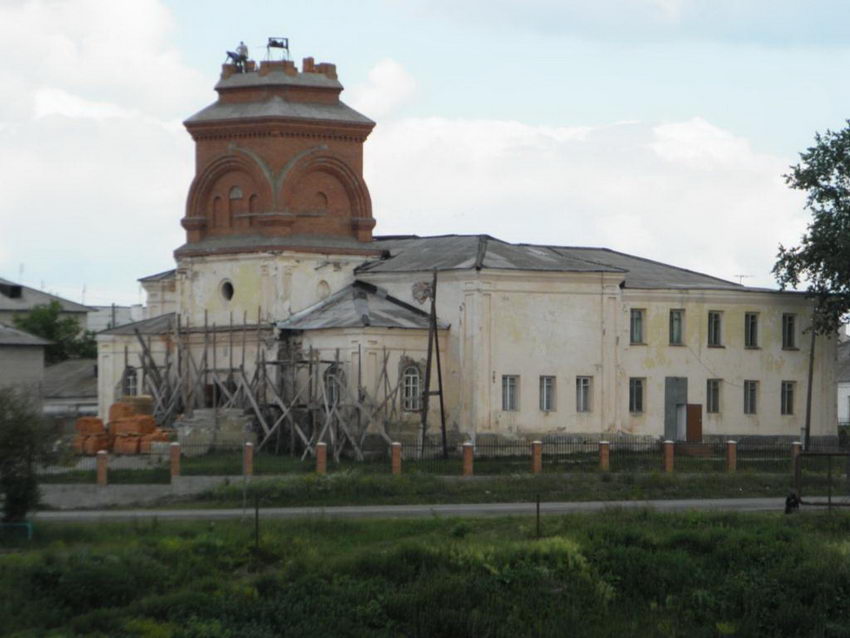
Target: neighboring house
(21, 358)
(70, 390)
(536, 340)
(843, 378)
(17, 300)
(105, 317)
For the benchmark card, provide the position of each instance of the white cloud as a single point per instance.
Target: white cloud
(389, 87)
(688, 193)
(49, 101)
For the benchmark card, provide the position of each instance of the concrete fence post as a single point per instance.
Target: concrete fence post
(395, 455)
(321, 458)
(536, 457)
(669, 451)
(604, 456)
(102, 467)
(468, 458)
(796, 465)
(174, 457)
(731, 456)
(248, 459)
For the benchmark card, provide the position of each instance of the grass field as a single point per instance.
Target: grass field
(618, 573)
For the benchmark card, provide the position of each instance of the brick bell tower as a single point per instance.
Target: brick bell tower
(278, 165)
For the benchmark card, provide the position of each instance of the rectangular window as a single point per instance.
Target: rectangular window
(636, 326)
(787, 398)
(750, 397)
(715, 326)
(583, 394)
(636, 394)
(712, 396)
(547, 394)
(510, 392)
(677, 327)
(789, 331)
(751, 330)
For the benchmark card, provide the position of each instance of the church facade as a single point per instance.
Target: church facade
(281, 279)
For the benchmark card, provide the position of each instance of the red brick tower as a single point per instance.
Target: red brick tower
(279, 165)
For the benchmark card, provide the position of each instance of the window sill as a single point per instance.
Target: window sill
(752, 347)
(792, 349)
(676, 345)
(636, 413)
(637, 343)
(715, 345)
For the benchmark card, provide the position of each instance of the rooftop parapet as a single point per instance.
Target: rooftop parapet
(287, 67)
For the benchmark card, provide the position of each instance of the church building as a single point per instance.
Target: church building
(284, 303)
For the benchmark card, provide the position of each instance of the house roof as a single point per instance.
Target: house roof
(19, 298)
(359, 305)
(73, 378)
(10, 336)
(465, 252)
(160, 276)
(276, 107)
(160, 325)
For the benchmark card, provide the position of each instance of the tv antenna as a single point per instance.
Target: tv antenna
(278, 43)
(742, 277)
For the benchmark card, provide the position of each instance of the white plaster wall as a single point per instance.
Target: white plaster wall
(844, 402)
(160, 297)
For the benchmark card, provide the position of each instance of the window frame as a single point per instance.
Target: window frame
(751, 330)
(751, 388)
(411, 402)
(548, 393)
(712, 396)
(715, 329)
(680, 313)
(637, 392)
(637, 322)
(510, 393)
(787, 390)
(584, 396)
(789, 335)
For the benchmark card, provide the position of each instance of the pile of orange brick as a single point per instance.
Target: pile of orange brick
(131, 429)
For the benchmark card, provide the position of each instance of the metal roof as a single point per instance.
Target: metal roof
(10, 336)
(30, 297)
(482, 252)
(359, 305)
(160, 276)
(277, 77)
(163, 324)
(71, 379)
(324, 244)
(276, 107)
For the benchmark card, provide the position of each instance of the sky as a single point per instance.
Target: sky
(661, 128)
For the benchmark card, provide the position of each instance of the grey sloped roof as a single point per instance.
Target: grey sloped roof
(10, 336)
(277, 77)
(465, 252)
(276, 107)
(70, 379)
(30, 297)
(160, 276)
(359, 305)
(163, 324)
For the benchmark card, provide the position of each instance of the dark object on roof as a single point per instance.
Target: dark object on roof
(163, 324)
(74, 378)
(359, 305)
(18, 298)
(10, 336)
(160, 276)
(480, 252)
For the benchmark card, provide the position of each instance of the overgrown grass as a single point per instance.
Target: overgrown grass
(634, 573)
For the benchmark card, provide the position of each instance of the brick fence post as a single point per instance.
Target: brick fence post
(604, 456)
(102, 466)
(395, 454)
(248, 459)
(796, 465)
(174, 452)
(731, 456)
(321, 458)
(468, 458)
(669, 451)
(536, 457)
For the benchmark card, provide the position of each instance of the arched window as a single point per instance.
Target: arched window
(334, 379)
(236, 193)
(411, 389)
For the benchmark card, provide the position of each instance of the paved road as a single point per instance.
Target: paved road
(414, 511)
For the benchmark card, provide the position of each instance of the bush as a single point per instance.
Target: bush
(24, 440)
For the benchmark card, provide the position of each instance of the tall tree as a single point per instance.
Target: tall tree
(67, 337)
(821, 262)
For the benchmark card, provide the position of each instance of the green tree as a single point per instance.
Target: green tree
(821, 262)
(24, 442)
(68, 339)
